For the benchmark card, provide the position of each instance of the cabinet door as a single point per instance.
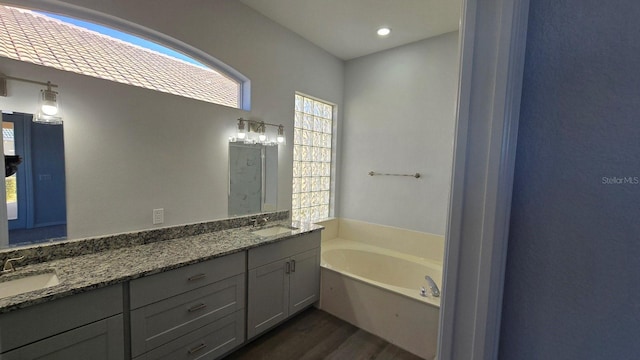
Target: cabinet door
(268, 300)
(304, 280)
(101, 340)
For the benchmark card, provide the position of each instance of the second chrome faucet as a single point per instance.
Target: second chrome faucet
(8, 264)
(256, 221)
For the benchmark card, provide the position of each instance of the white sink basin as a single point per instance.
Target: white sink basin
(15, 285)
(276, 230)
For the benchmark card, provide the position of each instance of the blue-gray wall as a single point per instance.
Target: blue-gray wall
(572, 287)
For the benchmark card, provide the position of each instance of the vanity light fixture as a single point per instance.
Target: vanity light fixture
(48, 111)
(245, 127)
(384, 31)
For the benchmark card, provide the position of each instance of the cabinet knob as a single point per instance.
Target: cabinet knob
(293, 266)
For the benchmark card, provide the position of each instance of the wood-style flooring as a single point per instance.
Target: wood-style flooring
(315, 334)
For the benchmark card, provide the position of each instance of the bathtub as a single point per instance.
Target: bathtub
(378, 288)
(396, 272)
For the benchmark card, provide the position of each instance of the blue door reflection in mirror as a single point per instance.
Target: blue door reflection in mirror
(36, 197)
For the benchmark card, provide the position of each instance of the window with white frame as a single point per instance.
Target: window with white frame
(312, 138)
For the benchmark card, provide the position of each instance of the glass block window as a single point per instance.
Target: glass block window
(313, 128)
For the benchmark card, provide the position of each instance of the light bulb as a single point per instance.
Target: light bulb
(262, 136)
(241, 130)
(48, 101)
(49, 108)
(280, 137)
(384, 31)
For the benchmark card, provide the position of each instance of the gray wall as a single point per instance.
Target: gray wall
(130, 150)
(399, 117)
(572, 289)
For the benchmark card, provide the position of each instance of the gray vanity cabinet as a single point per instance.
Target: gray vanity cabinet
(283, 279)
(83, 326)
(194, 312)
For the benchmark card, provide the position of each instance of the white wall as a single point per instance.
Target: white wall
(130, 150)
(399, 117)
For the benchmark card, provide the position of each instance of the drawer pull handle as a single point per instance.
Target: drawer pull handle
(293, 266)
(197, 277)
(287, 267)
(197, 348)
(197, 307)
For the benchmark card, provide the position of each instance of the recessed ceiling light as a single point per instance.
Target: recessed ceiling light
(384, 31)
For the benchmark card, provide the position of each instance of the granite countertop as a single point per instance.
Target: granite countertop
(83, 273)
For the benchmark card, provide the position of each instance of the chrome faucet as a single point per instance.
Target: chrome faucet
(433, 288)
(256, 221)
(8, 264)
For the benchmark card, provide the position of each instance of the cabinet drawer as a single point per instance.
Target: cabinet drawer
(101, 340)
(154, 288)
(58, 316)
(166, 320)
(208, 342)
(269, 253)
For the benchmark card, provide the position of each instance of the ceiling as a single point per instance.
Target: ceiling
(347, 28)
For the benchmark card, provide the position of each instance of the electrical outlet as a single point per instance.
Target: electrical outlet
(158, 216)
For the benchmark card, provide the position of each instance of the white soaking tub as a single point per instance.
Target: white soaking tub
(378, 289)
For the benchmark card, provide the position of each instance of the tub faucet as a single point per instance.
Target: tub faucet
(432, 286)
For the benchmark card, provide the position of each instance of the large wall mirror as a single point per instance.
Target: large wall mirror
(35, 193)
(253, 178)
